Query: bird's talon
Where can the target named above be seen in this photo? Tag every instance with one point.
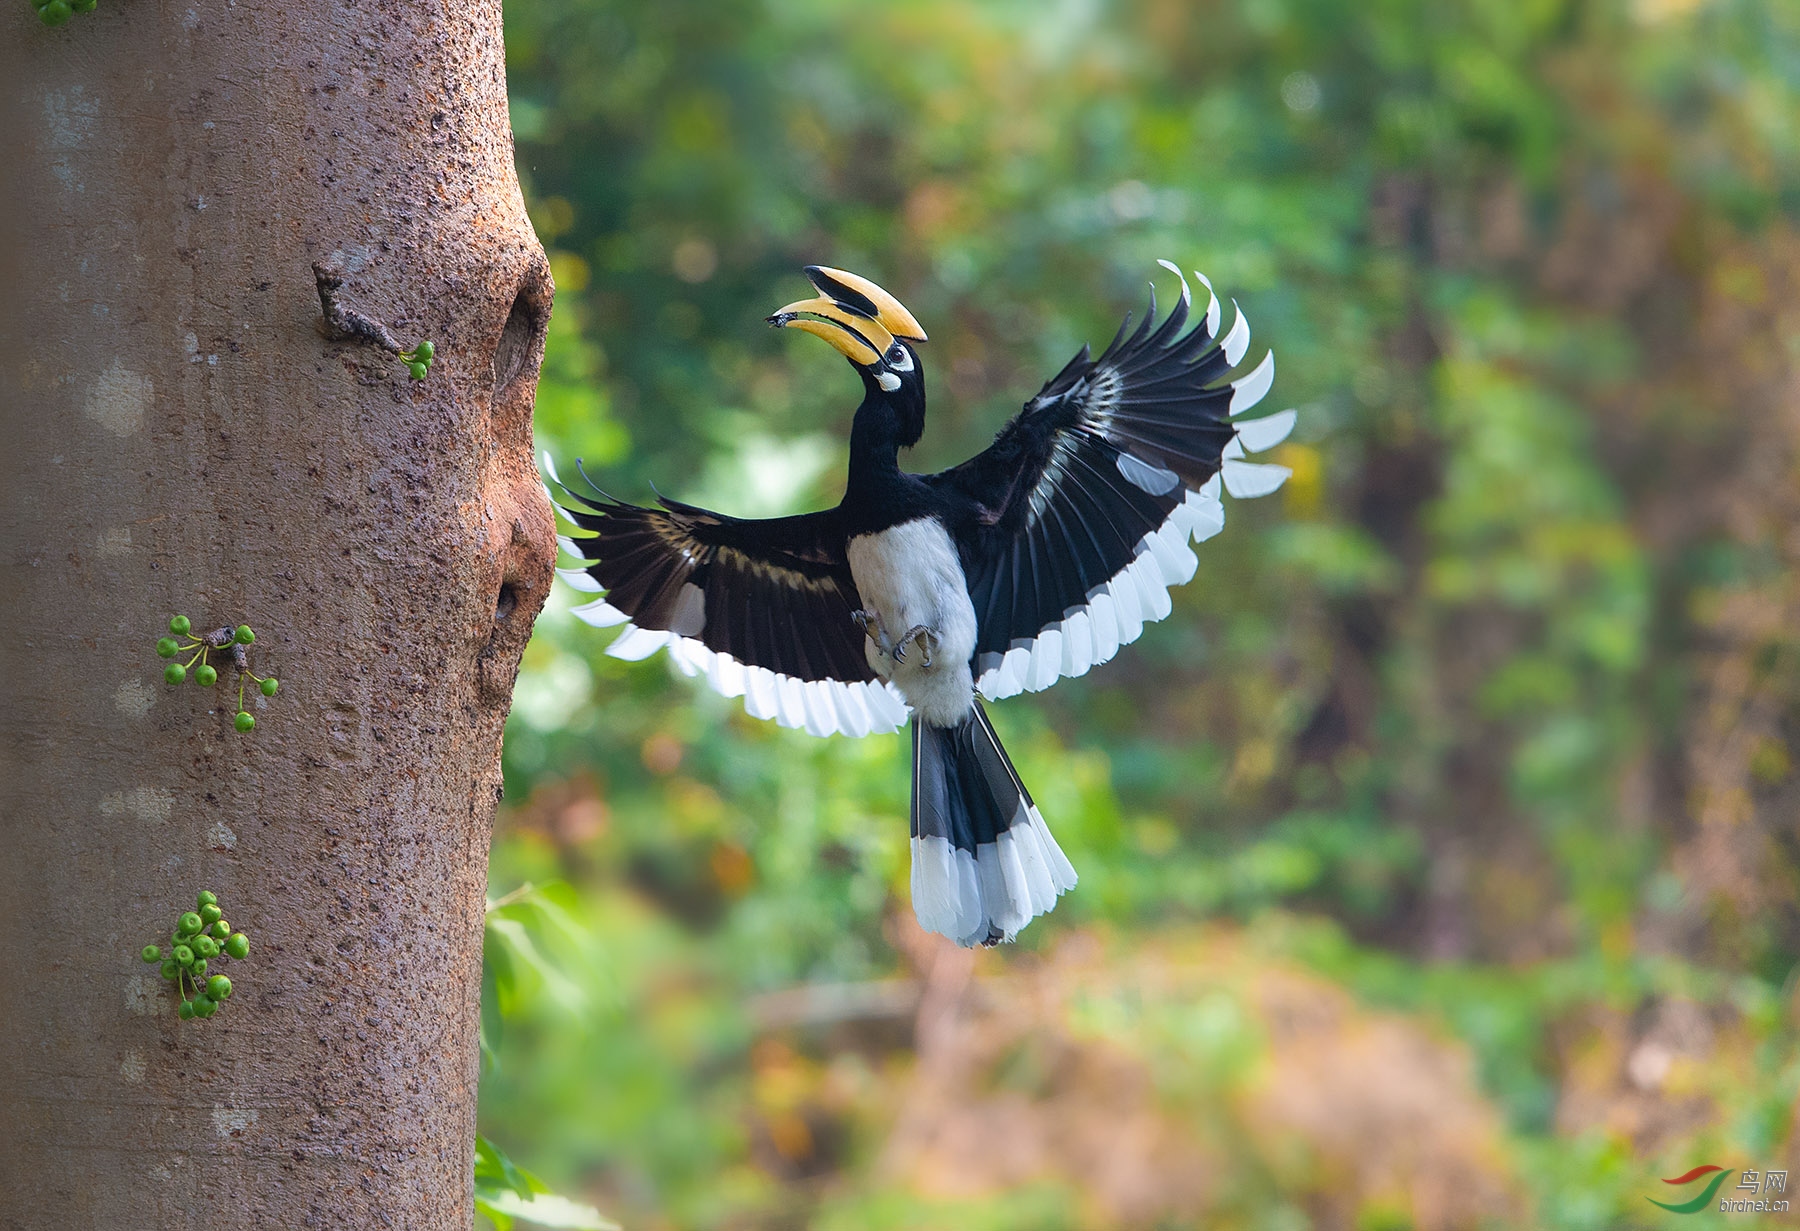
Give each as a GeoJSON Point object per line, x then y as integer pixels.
{"type": "Point", "coordinates": [922, 635]}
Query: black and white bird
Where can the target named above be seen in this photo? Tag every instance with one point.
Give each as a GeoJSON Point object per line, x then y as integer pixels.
{"type": "Point", "coordinates": [1032, 561]}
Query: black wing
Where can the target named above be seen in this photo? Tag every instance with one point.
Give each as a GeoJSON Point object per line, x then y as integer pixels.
{"type": "Point", "coordinates": [762, 608]}
{"type": "Point", "coordinates": [1075, 522]}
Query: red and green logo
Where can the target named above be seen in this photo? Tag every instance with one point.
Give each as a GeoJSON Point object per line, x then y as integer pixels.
{"type": "Point", "coordinates": [1699, 1203]}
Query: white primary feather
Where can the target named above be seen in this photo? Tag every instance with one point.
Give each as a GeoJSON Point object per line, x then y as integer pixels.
{"type": "Point", "coordinates": [634, 644]}
{"type": "Point", "coordinates": [1116, 611]}
{"type": "Point", "coordinates": [1212, 309]}
{"type": "Point", "coordinates": [1261, 435]}
{"type": "Point", "coordinates": [599, 613]}
{"type": "Point", "coordinates": [1153, 479]}
{"type": "Point", "coordinates": [1248, 480]}
{"type": "Point", "coordinates": [790, 701]}
{"type": "Point", "coordinates": [819, 707]}
{"type": "Point", "coordinates": [1077, 644]}
{"type": "Point", "coordinates": [1238, 340]}
{"type": "Point", "coordinates": [1247, 391]}
{"type": "Point", "coordinates": [1046, 659]}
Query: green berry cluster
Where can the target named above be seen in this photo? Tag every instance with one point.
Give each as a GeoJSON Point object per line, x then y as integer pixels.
{"type": "Point", "coordinates": [236, 641]}
{"type": "Point", "coordinates": [418, 359]}
{"type": "Point", "coordinates": [55, 12]}
{"type": "Point", "coordinates": [201, 936]}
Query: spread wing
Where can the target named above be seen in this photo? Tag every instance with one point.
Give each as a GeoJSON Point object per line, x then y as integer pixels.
{"type": "Point", "coordinates": [1075, 522]}
{"type": "Point", "coordinates": [761, 608]}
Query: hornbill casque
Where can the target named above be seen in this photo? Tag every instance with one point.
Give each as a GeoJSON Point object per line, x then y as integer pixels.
{"type": "Point", "coordinates": [1033, 561]}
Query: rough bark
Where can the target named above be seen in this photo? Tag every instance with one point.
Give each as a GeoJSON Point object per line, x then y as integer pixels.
{"type": "Point", "coordinates": [183, 437]}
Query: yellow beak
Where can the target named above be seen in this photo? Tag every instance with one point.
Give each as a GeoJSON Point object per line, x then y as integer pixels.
{"type": "Point", "coordinates": [858, 338]}
{"type": "Point", "coordinates": [860, 295]}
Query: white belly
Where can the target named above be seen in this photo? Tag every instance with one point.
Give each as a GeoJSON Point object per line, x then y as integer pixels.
{"type": "Point", "coordinates": [909, 576]}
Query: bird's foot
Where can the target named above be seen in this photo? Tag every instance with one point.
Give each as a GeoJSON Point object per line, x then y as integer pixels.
{"type": "Point", "coordinates": [922, 635]}
{"type": "Point", "coordinates": [872, 627]}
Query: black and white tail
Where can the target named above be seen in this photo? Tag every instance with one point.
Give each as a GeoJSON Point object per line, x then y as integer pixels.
{"type": "Point", "coordinates": [983, 862]}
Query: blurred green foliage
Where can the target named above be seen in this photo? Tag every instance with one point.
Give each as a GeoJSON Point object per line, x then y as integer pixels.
{"type": "Point", "coordinates": [1486, 720]}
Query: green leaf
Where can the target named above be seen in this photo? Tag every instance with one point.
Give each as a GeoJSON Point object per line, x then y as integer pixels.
{"type": "Point", "coordinates": [511, 948]}
{"type": "Point", "coordinates": [517, 941]}
{"type": "Point", "coordinates": [505, 1191]}
{"type": "Point", "coordinates": [494, 1169]}
{"type": "Point", "coordinates": [493, 1024]}
{"type": "Point", "coordinates": [543, 1210]}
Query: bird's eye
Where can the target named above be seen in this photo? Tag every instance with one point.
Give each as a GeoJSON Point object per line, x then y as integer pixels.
{"type": "Point", "coordinates": [898, 358]}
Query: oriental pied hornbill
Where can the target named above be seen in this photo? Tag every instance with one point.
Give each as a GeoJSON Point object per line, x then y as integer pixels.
{"type": "Point", "coordinates": [1031, 561]}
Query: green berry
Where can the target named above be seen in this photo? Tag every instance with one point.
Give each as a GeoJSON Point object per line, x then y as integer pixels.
{"type": "Point", "coordinates": [219, 931]}
{"type": "Point", "coordinates": [269, 686]}
{"type": "Point", "coordinates": [166, 647]}
{"type": "Point", "coordinates": [205, 897]}
{"type": "Point", "coordinates": [424, 351]}
{"type": "Point", "coordinates": [170, 968]}
{"type": "Point", "coordinates": [197, 967]}
{"type": "Point", "coordinates": [205, 1006]}
{"type": "Point", "coordinates": [210, 913]}
{"type": "Point", "coordinates": [186, 1010]}
{"type": "Point", "coordinates": [244, 635]}
{"type": "Point", "coordinates": [179, 625]}
{"type": "Point", "coordinates": [55, 13]}
{"type": "Point", "coordinates": [150, 953]}
{"type": "Point", "coordinates": [206, 946]}
{"type": "Point", "coordinates": [238, 946]}
{"type": "Point", "coordinates": [190, 922]}
{"type": "Point", "coordinates": [83, 6]}
{"type": "Point", "coordinates": [244, 720]}
{"type": "Point", "coordinates": [417, 369]}
{"type": "Point", "coordinates": [207, 675]}
{"type": "Point", "coordinates": [184, 954]}
{"type": "Point", "coordinates": [174, 673]}
{"type": "Point", "coordinates": [218, 987]}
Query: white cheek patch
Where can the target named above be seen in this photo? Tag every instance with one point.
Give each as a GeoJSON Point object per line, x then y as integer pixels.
{"type": "Point", "coordinates": [887, 380]}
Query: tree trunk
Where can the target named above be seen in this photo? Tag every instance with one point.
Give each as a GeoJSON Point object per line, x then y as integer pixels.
{"type": "Point", "coordinates": [183, 437]}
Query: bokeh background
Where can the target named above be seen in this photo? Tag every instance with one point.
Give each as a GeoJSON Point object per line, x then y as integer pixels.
{"type": "Point", "coordinates": [1439, 855]}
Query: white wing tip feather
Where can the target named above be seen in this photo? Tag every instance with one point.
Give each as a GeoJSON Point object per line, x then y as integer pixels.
{"type": "Point", "coordinates": [1238, 340]}
{"type": "Point", "coordinates": [1117, 611]}
{"type": "Point", "coordinates": [1187, 295]}
{"type": "Point", "coordinates": [818, 707]}
{"type": "Point", "coordinates": [1248, 480]}
{"type": "Point", "coordinates": [578, 579]}
{"type": "Point", "coordinates": [1247, 391]}
{"type": "Point", "coordinates": [599, 613]}
{"type": "Point", "coordinates": [1212, 308]}
{"type": "Point", "coordinates": [1261, 435]}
